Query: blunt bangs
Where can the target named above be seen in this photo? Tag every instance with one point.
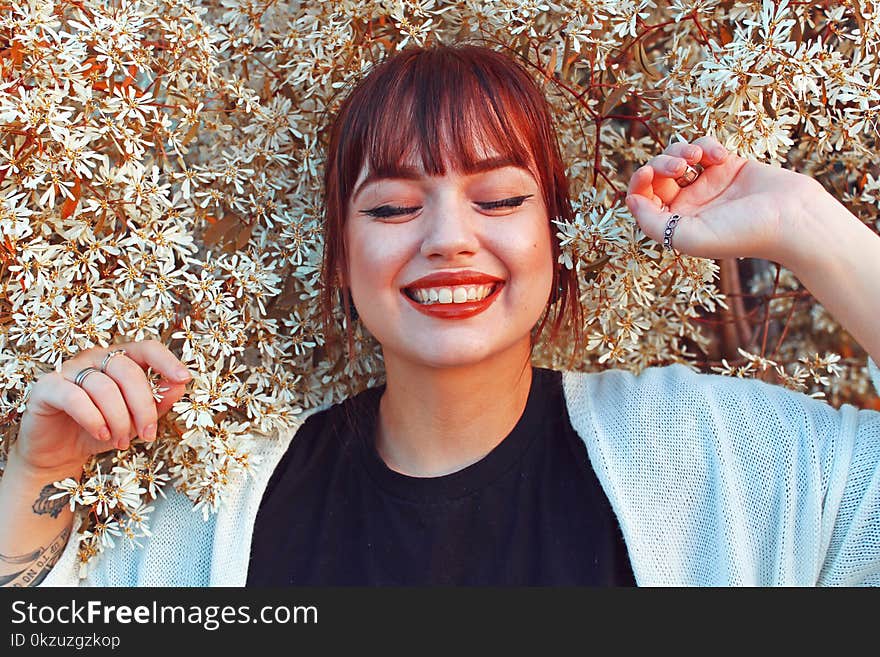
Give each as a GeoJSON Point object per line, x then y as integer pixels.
{"type": "Point", "coordinates": [443, 112]}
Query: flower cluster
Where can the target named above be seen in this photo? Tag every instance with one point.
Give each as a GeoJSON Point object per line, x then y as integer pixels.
{"type": "Point", "coordinates": [160, 165]}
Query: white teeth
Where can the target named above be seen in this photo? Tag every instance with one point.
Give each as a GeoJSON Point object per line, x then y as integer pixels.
{"type": "Point", "coordinates": [460, 294]}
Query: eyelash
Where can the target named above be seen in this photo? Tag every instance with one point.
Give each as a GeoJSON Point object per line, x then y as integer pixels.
{"type": "Point", "coordinates": [384, 211]}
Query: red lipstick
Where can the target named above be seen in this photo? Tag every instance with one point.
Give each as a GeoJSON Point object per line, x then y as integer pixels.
{"type": "Point", "coordinates": [454, 278]}
{"type": "Point", "coordinates": [455, 310]}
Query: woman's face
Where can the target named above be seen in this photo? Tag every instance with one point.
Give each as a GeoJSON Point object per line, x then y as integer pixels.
{"type": "Point", "coordinates": [449, 270]}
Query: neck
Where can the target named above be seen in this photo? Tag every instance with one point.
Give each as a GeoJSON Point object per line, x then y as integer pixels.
{"type": "Point", "coordinates": [434, 421]}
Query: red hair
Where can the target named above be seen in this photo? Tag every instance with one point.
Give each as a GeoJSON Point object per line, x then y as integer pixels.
{"type": "Point", "coordinates": [445, 105]}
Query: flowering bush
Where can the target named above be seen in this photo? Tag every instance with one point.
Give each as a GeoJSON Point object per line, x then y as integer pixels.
{"type": "Point", "coordinates": [160, 177]}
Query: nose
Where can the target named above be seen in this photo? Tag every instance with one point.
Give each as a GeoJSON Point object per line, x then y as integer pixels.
{"type": "Point", "coordinates": [450, 231]}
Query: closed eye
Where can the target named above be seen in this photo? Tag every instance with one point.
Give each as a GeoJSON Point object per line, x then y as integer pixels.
{"type": "Point", "coordinates": [513, 202]}
{"type": "Point", "coordinates": [385, 211]}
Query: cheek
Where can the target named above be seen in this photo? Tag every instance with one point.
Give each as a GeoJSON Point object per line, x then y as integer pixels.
{"type": "Point", "coordinates": [374, 257]}
{"type": "Point", "coordinates": [543, 267]}
{"type": "Point", "coordinates": [534, 256]}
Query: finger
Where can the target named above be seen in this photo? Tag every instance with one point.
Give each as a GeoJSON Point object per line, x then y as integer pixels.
{"type": "Point", "coordinates": [172, 392]}
{"type": "Point", "coordinates": [690, 152]}
{"type": "Point", "coordinates": [658, 189]}
{"type": "Point", "coordinates": [651, 219]}
{"type": "Point", "coordinates": [669, 166]}
{"type": "Point", "coordinates": [67, 397]}
{"type": "Point", "coordinates": [152, 353]}
{"type": "Point", "coordinates": [135, 387]}
{"type": "Point", "coordinates": [713, 151]}
{"type": "Point", "coordinates": [105, 394]}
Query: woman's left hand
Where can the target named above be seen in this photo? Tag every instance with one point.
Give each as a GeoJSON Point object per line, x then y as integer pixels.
{"type": "Point", "coordinates": [741, 208]}
{"type": "Point", "coordinates": [735, 208]}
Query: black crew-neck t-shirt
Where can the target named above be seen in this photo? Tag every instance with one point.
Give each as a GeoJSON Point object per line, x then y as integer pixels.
{"type": "Point", "coordinates": [530, 513]}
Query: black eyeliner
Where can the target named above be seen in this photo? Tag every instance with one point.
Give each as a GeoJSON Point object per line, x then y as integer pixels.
{"type": "Point", "coordinates": [512, 202]}
{"type": "Point", "coordinates": [385, 211]}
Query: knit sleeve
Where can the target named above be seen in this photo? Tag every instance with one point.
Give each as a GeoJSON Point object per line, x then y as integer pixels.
{"type": "Point", "coordinates": [185, 549]}
{"type": "Point", "coordinates": [852, 504]}
{"type": "Point", "coordinates": [720, 481]}
{"type": "Point", "coordinates": [180, 558]}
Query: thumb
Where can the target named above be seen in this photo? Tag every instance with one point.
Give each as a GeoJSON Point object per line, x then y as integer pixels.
{"type": "Point", "coordinates": [632, 202]}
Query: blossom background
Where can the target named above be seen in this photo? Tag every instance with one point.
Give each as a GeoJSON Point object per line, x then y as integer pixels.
{"type": "Point", "coordinates": [160, 168]}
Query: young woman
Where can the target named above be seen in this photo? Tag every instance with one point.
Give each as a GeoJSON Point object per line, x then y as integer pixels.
{"type": "Point", "coordinates": [470, 466]}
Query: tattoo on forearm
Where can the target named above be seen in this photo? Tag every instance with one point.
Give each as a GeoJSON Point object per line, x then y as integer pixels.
{"type": "Point", "coordinates": [44, 505]}
{"type": "Point", "coordinates": [36, 564]}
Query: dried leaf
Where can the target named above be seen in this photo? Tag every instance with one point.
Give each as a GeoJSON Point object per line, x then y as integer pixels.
{"type": "Point", "coordinates": [69, 205]}
{"type": "Point", "coordinates": [216, 232]}
{"type": "Point", "coordinates": [767, 102]}
{"type": "Point", "coordinates": [613, 99]}
{"type": "Point", "coordinates": [797, 33]}
{"type": "Point", "coordinates": [288, 298]}
{"type": "Point", "coordinates": [16, 53]}
{"type": "Point", "coordinates": [243, 235]}
{"type": "Point", "coordinates": [550, 68]}
{"type": "Point", "coordinates": [568, 58]}
{"type": "Point", "coordinates": [645, 62]}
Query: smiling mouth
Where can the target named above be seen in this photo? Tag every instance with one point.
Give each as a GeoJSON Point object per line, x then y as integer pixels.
{"type": "Point", "coordinates": [452, 295]}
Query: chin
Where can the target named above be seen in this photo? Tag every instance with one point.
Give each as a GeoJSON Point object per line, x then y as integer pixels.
{"type": "Point", "coordinates": [442, 354]}
{"type": "Point", "coordinates": [452, 360]}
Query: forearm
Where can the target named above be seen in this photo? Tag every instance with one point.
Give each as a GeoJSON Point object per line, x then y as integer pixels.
{"type": "Point", "coordinates": [33, 530]}
{"type": "Point", "coordinates": [837, 258]}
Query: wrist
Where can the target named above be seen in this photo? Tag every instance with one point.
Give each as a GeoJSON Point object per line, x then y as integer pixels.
{"type": "Point", "coordinates": [813, 229]}
{"type": "Point", "coordinates": [25, 471]}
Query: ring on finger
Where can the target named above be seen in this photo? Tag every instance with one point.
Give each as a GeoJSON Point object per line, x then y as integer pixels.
{"type": "Point", "coordinates": [691, 173]}
{"type": "Point", "coordinates": [115, 352]}
{"type": "Point", "coordinates": [669, 230]}
{"type": "Point", "coordinates": [82, 374]}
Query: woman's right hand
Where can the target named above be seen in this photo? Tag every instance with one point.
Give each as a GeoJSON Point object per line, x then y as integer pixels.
{"type": "Point", "coordinates": [64, 424]}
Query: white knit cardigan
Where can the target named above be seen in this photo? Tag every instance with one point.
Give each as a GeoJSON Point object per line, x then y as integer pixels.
{"type": "Point", "coordinates": [714, 480]}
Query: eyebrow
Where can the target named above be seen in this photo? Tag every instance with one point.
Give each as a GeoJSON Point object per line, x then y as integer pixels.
{"type": "Point", "coordinates": [408, 173]}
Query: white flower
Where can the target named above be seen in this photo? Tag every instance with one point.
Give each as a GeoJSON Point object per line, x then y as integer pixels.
{"type": "Point", "coordinates": [72, 489]}
{"type": "Point", "coordinates": [129, 103]}
{"type": "Point", "coordinates": [99, 492]}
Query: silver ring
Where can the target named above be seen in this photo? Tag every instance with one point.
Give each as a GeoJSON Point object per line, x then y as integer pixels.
{"type": "Point", "coordinates": [82, 374]}
{"type": "Point", "coordinates": [670, 228]}
{"type": "Point", "coordinates": [107, 358]}
{"type": "Point", "coordinates": [691, 173]}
